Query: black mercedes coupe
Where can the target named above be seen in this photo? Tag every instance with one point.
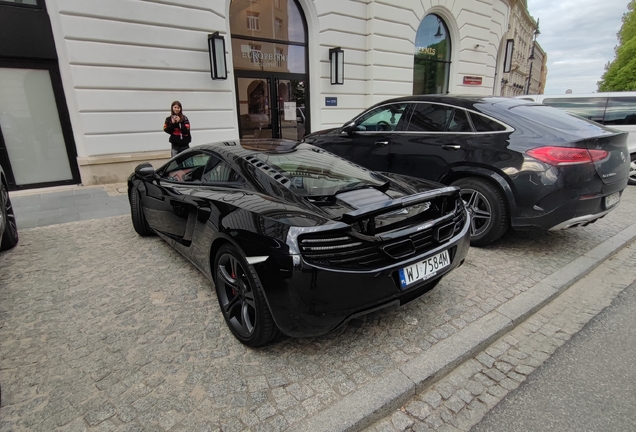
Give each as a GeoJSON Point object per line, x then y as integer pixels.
{"type": "Point", "coordinates": [298, 240]}
{"type": "Point", "coordinates": [519, 164]}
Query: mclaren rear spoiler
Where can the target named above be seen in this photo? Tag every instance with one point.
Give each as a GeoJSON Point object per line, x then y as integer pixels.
{"type": "Point", "coordinates": [396, 204]}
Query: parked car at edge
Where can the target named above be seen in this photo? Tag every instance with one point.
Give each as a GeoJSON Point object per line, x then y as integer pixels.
{"type": "Point", "coordinates": [613, 109]}
{"type": "Point", "coordinates": [296, 239]}
{"type": "Point", "coordinates": [519, 164]}
{"type": "Point", "coordinates": [8, 226]}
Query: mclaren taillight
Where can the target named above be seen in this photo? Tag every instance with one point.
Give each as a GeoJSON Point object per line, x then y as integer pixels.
{"type": "Point", "coordinates": [566, 155]}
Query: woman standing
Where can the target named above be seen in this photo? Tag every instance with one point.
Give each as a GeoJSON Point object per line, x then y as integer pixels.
{"type": "Point", "coordinates": [178, 127]}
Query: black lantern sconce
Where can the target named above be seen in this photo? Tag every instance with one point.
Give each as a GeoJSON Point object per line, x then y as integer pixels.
{"type": "Point", "coordinates": [336, 62]}
{"type": "Point", "coordinates": [216, 48]}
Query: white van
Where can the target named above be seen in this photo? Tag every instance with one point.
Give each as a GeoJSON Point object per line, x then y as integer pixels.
{"type": "Point", "coordinates": [615, 109]}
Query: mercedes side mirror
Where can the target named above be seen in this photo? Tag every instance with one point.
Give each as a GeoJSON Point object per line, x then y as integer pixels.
{"type": "Point", "coordinates": [349, 128]}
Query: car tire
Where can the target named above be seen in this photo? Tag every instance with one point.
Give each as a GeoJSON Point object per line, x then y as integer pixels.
{"type": "Point", "coordinates": [488, 209]}
{"type": "Point", "coordinates": [137, 213]}
{"type": "Point", "coordinates": [632, 169]}
{"type": "Point", "coordinates": [10, 235]}
{"type": "Point", "coordinates": [241, 298]}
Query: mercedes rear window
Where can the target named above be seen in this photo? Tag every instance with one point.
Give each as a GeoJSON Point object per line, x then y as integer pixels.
{"type": "Point", "coordinates": [557, 119]}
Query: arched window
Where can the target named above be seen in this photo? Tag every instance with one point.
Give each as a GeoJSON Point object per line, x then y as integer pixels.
{"type": "Point", "coordinates": [268, 35]}
{"type": "Point", "coordinates": [269, 49]}
{"type": "Point", "coordinates": [431, 63]}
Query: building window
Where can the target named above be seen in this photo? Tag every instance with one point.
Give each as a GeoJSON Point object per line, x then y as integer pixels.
{"type": "Point", "coordinates": [253, 22]}
{"type": "Point", "coordinates": [431, 68]}
{"type": "Point", "coordinates": [257, 53]}
{"type": "Point", "coordinates": [278, 28]}
{"type": "Point", "coordinates": [279, 57]}
{"type": "Point", "coordinates": [277, 4]}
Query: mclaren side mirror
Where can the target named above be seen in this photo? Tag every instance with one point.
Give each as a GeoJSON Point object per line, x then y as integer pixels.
{"type": "Point", "coordinates": [145, 170]}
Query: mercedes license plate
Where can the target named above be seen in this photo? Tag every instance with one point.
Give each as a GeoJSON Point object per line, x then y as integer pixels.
{"type": "Point", "coordinates": [612, 200]}
{"type": "Point", "coordinates": [424, 269]}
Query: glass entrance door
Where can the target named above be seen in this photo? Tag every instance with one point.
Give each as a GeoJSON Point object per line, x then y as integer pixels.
{"type": "Point", "coordinates": [291, 108]}
{"type": "Point", "coordinates": [255, 109]}
{"type": "Point", "coordinates": [271, 107]}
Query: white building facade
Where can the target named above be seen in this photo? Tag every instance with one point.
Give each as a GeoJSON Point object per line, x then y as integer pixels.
{"type": "Point", "coordinates": [119, 64]}
{"type": "Point", "coordinates": [522, 31]}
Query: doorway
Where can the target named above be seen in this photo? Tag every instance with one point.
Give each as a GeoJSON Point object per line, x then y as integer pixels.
{"type": "Point", "coordinates": [269, 50]}
{"type": "Point", "coordinates": [271, 107]}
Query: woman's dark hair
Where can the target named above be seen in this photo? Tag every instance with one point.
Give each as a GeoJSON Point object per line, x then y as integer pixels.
{"type": "Point", "coordinates": [177, 103]}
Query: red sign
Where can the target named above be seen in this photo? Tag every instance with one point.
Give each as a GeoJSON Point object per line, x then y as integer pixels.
{"type": "Point", "coordinates": [472, 80]}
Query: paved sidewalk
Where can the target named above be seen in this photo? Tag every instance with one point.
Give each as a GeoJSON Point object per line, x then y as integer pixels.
{"type": "Point", "coordinates": [394, 389]}
{"type": "Point", "coordinates": [42, 207]}
{"type": "Point", "coordinates": [101, 329]}
{"type": "Point", "coordinates": [462, 398]}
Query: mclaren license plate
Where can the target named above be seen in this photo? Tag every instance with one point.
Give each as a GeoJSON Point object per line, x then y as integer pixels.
{"type": "Point", "coordinates": [424, 269]}
{"type": "Point", "coordinates": [612, 200]}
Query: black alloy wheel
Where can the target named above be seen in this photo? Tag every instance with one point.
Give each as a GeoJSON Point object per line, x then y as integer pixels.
{"type": "Point", "coordinates": [10, 236]}
{"type": "Point", "coordinates": [241, 299]}
{"type": "Point", "coordinates": [137, 213]}
{"type": "Point", "coordinates": [487, 208]}
{"type": "Point", "coordinates": [632, 169]}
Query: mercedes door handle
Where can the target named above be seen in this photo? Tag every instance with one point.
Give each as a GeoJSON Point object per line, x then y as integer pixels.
{"type": "Point", "coordinates": [451, 147]}
{"type": "Point", "coordinates": [381, 143]}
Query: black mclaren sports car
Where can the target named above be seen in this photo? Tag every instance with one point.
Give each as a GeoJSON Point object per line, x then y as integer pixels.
{"type": "Point", "coordinates": [297, 240]}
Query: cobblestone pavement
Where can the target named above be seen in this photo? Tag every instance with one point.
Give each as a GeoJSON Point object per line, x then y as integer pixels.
{"type": "Point", "coordinates": [462, 398]}
{"type": "Point", "coordinates": [103, 330]}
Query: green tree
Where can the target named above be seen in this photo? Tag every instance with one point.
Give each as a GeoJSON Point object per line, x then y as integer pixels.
{"type": "Point", "coordinates": [620, 74]}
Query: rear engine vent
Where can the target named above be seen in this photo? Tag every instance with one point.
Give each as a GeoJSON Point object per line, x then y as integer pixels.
{"type": "Point", "coordinates": [344, 250]}
{"type": "Point", "coordinates": [337, 250]}
{"type": "Point", "coordinates": [271, 172]}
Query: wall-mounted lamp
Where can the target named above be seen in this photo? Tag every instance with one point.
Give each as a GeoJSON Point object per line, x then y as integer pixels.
{"type": "Point", "coordinates": [216, 48]}
{"type": "Point", "coordinates": [510, 48]}
{"type": "Point", "coordinates": [336, 62]}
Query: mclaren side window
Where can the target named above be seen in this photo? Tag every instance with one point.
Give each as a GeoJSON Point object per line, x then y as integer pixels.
{"type": "Point", "coordinates": [218, 171]}
{"type": "Point", "coordinates": [187, 168]}
{"type": "Point", "coordinates": [385, 118]}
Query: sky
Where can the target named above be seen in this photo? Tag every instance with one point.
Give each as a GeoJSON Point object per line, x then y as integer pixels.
{"type": "Point", "coordinates": [579, 37]}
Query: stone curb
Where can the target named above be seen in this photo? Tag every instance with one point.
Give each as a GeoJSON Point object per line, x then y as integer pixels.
{"type": "Point", "coordinates": [43, 191]}
{"type": "Point", "coordinates": [379, 398]}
